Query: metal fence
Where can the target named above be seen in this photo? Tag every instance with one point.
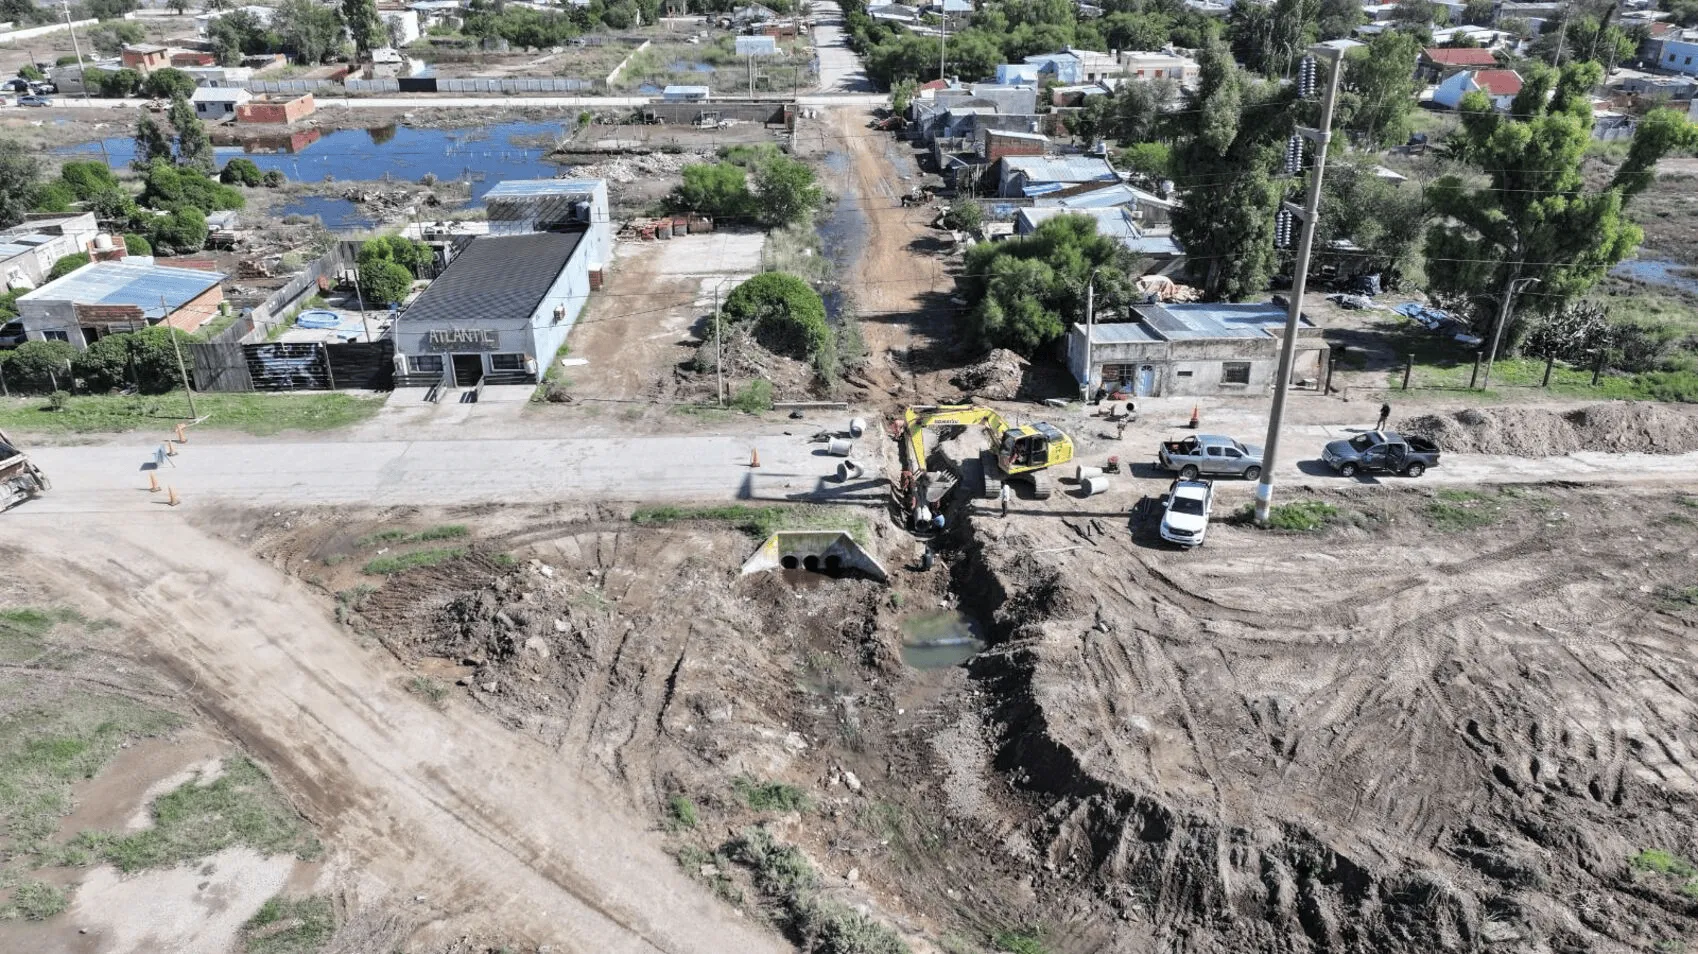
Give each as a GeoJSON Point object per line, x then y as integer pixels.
{"type": "Point", "coordinates": [541, 84]}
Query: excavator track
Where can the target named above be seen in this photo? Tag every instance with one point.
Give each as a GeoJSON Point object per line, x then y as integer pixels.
{"type": "Point", "coordinates": [991, 488]}
{"type": "Point", "coordinates": [1042, 486]}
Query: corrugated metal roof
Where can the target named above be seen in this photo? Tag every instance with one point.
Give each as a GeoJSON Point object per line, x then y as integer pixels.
{"type": "Point", "coordinates": [498, 278]}
{"type": "Point", "coordinates": [757, 46]}
{"type": "Point", "coordinates": [1191, 321]}
{"type": "Point", "coordinates": [1122, 332]}
{"type": "Point", "coordinates": [523, 188]}
{"type": "Point", "coordinates": [1113, 222]}
{"type": "Point", "coordinates": [1061, 168]}
{"type": "Point", "coordinates": [19, 244]}
{"type": "Point", "coordinates": [684, 91]}
{"type": "Point", "coordinates": [125, 283]}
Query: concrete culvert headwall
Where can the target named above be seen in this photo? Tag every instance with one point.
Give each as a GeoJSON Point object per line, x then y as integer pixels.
{"type": "Point", "coordinates": [827, 551]}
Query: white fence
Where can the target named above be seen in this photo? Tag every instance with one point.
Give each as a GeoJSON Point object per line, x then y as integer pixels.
{"type": "Point", "coordinates": [33, 32]}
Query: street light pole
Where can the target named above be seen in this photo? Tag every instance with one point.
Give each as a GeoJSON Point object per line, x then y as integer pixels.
{"type": "Point", "coordinates": [719, 342]}
{"type": "Point", "coordinates": [182, 369]}
{"type": "Point", "coordinates": [1310, 213]}
{"type": "Point", "coordinates": [1511, 288]}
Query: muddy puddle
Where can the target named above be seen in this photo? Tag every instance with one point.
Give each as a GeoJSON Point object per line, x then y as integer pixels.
{"type": "Point", "coordinates": [941, 639]}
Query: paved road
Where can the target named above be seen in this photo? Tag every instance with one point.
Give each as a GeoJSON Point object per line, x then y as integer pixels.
{"type": "Point", "coordinates": [112, 477]}
{"type": "Point", "coordinates": [841, 70]}
{"type": "Point", "coordinates": [434, 101]}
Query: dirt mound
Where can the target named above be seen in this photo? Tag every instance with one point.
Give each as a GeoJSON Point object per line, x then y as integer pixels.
{"type": "Point", "coordinates": [1617, 427]}
{"type": "Point", "coordinates": [996, 377]}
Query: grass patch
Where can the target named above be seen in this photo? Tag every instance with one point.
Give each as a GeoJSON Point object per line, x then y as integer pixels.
{"type": "Point", "coordinates": [435, 691]}
{"type": "Point", "coordinates": [402, 562]}
{"type": "Point", "coordinates": [754, 397]}
{"type": "Point", "coordinates": [1655, 861]}
{"type": "Point", "coordinates": [23, 631]}
{"type": "Point", "coordinates": [758, 522]}
{"type": "Point", "coordinates": [1302, 516]}
{"type": "Point", "coordinates": [788, 884]}
{"type": "Point", "coordinates": [240, 807]}
{"type": "Point", "coordinates": [34, 901]}
{"type": "Point", "coordinates": [680, 813]}
{"type": "Point", "coordinates": [219, 324]}
{"type": "Point", "coordinates": [769, 796]}
{"type": "Point", "coordinates": [251, 413]}
{"type": "Point", "coordinates": [1020, 941]}
{"type": "Point", "coordinates": [447, 531]}
{"type": "Point", "coordinates": [1449, 516]}
{"type": "Point", "coordinates": [289, 926]}
{"type": "Point", "coordinates": [43, 750]}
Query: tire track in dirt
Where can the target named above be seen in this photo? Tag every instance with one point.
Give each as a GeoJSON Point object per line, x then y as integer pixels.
{"type": "Point", "coordinates": [499, 833]}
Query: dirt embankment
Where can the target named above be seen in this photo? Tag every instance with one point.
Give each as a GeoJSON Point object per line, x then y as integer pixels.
{"type": "Point", "coordinates": [1616, 427]}
{"type": "Point", "coordinates": [1442, 747]}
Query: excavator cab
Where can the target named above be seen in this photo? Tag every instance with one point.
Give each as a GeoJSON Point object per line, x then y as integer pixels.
{"type": "Point", "coordinates": [1033, 447]}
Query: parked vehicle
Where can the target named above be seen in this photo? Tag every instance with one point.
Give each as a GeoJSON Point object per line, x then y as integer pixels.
{"type": "Point", "coordinates": [1211, 454]}
{"type": "Point", "coordinates": [33, 100]}
{"type": "Point", "coordinates": [43, 86]}
{"type": "Point", "coordinates": [19, 478]}
{"type": "Point", "coordinates": [1380, 453]}
{"type": "Point", "coordinates": [1185, 512]}
{"type": "Point", "coordinates": [16, 84]}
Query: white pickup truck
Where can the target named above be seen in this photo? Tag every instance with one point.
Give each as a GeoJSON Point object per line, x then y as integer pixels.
{"type": "Point", "coordinates": [1185, 512]}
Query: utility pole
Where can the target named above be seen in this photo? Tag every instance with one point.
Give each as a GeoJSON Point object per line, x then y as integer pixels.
{"type": "Point", "coordinates": [1090, 326]}
{"type": "Point", "coordinates": [182, 369]}
{"type": "Point", "coordinates": [942, 35]}
{"type": "Point", "coordinates": [82, 74]}
{"type": "Point", "coordinates": [719, 343]}
{"type": "Point", "coordinates": [1310, 214]}
{"type": "Point", "coordinates": [1511, 288]}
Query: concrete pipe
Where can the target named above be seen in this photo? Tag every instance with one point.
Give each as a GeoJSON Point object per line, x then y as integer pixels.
{"type": "Point", "coordinates": [840, 447]}
{"type": "Point", "coordinates": [857, 427]}
{"type": "Point", "coordinates": [850, 470]}
{"type": "Point", "coordinates": [1084, 473]}
{"type": "Point", "coordinates": [1095, 485]}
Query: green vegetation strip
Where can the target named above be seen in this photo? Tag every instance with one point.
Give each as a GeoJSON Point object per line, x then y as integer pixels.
{"type": "Point", "coordinates": [44, 749]}
{"type": "Point", "coordinates": [402, 562]}
{"type": "Point", "coordinates": [289, 926]}
{"type": "Point", "coordinates": [758, 522]}
{"type": "Point", "coordinates": [447, 531]}
{"type": "Point", "coordinates": [33, 901]}
{"type": "Point", "coordinates": [23, 631]}
{"type": "Point", "coordinates": [770, 796]}
{"type": "Point", "coordinates": [1658, 862]}
{"type": "Point", "coordinates": [240, 807]}
{"type": "Point", "coordinates": [259, 414]}
{"type": "Point", "coordinates": [789, 884]}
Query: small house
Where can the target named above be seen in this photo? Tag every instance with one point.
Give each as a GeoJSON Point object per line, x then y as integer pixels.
{"type": "Point", "coordinates": [1500, 85]}
{"type": "Point", "coordinates": [1436, 62]}
{"type": "Point", "coordinates": [1193, 349]}
{"type": "Point", "coordinates": [1026, 176]}
{"type": "Point", "coordinates": [217, 103]}
{"type": "Point", "coordinates": [684, 94]}
{"type": "Point", "coordinates": [144, 58]}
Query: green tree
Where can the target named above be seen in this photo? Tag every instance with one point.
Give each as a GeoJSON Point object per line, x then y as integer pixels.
{"type": "Point", "coordinates": [1236, 133]}
{"type": "Point", "coordinates": [364, 25]}
{"type": "Point", "coordinates": [165, 186]}
{"type": "Point", "coordinates": [19, 175]}
{"type": "Point", "coordinates": [54, 196]}
{"type": "Point", "coordinates": [1385, 220]}
{"type": "Point", "coordinates": [1534, 216]}
{"type": "Point", "coordinates": [194, 146]}
{"type": "Point", "coordinates": [1151, 160]}
{"type": "Point", "coordinates": [137, 244]}
{"type": "Point", "coordinates": [67, 264]}
{"type": "Point", "coordinates": [1270, 39]}
{"type": "Point", "coordinates": [902, 94]}
{"type": "Point", "coordinates": [786, 316]}
{"type": "Point", "coordinates": [180, 232]}
{"type": "Point", "coordinates": [719, 189]}
{"type": "Point", "coordinates": [113, 84]}
{"type": "Point", "coordinates": [384, 281]}
{"type": "Point", "coordinates": [967, 216]}
{"type": "Point", "coordinates": [168, 83]}
{"type": "Point", "coordinates": [1379, 81]}
{"type": "Point", "coordinates": [1479, 12]}
{"type": "Point", "coordinates": [414, 256]}
{"type": "Point", "coordinates": [240, 171]}
{"type": "Point", "coordinates": [1023, 292]}
{"type": "Point", "coordinates": [1338, 19]}
{"type": "Point", "coordinates": [144, 358]}
{"type": "Point", "coordinates": [306, 29]}
{"type": "Point", "coordinates": [152, 144]}
{"type": "Point", "coordinates": [785, 192]}
{"type": "Point", "coordinates": [86, 177]}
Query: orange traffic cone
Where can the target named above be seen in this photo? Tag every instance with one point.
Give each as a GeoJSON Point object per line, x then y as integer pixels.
{"type": "Point", "coordinates": [170, 449]}
{"type": "Point", "coordinates": [171, 496]}
{"type": "Point", "coordinates": [152, 482]}
{"type": "Point", "coordinates": [180, 438]}
{"type": "Point", "coordinates": [754, 457]}
{"type": "Point", "coordinates": [1196, 419]}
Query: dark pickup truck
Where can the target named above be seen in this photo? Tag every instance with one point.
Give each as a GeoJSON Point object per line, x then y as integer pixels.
{"type": "Point", "coordinates": [1380, 453]}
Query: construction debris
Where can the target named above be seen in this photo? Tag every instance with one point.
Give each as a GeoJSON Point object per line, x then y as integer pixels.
{"type": "Point", "coordinates": [996, 376]}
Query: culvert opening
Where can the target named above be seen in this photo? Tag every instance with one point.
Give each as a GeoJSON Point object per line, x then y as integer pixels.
{"type": "Point", "coordinates": [790, 562]}
{"type": "Point", "coordinates": [811, 564]}
{"type": "Point", "coordinates": [833, 563]}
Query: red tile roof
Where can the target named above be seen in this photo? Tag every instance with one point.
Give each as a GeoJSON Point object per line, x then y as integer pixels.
{"type": "Point", "coordinates": [1445, 56]}
{"type": "Point", "coordinates": [1498, 82]}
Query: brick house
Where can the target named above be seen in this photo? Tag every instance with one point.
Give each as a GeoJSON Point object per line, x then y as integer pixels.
{"type": "Point", "coordinates": [268, 109]}
{"type": "Point", "coordinates": [144, 58]}
{"type": "Point", "coordinates": [109, 297]}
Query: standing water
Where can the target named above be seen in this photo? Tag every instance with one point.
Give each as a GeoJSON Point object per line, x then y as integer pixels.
{"type": "Point", "coordinates": [941, 639]}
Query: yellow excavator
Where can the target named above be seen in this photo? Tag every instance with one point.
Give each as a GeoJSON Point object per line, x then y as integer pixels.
{"type": "Point", "coordinates": [1021, 453]}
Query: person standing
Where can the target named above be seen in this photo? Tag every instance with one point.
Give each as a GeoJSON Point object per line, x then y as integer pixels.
{"type": "Point", "coordinates": [1385, 415]}
{"type": "Point", "coordinates": [1004, 495]}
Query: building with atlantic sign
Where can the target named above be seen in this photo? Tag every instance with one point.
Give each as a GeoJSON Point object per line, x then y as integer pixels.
{"type": "Point", "coordinates": [502, 308]}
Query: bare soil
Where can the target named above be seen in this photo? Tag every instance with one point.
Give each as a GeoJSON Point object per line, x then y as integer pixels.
{"type": "Point", "coordinates": [1619, 427]}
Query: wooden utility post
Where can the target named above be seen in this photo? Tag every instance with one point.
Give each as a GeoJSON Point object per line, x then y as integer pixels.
{"type": "Point", "coordinates": [1408, 369]}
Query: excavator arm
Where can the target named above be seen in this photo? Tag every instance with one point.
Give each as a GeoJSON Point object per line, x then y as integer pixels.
{"type": "Point", "coordinates": [917, 418]}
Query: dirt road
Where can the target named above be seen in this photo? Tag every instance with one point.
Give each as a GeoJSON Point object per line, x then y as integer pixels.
{"type": "Point", "coordinates": [899, 283]}
{"type": "Point", "coordinates": [489, 827]}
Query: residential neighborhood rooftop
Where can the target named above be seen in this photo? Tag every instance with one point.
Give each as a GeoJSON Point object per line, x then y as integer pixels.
{"type": "Point", "coordinates": [1499, 82]}
{"type": "Point", "coordinates": [498, 278]}
{"type": "Point", "coordinates": [129, 283]}
{"type": "Point", "coordinates": [1192, 321]}
{"type": "Point", "coordinates": [1447, 56]}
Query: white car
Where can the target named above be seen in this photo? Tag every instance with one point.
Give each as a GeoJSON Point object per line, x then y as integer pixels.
{"type": "Point", "coordinates": [1185, 512]}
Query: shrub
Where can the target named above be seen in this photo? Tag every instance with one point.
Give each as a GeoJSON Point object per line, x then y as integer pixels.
{"type": "Point", "coordinates": [719, 189]}
{"type": "Point", "coordinates": [145, 358]}
{"type": "Point", "coordinates": [241, 171]}
{"type": "Point", "coordinates": [274, 178]}
{"type": "Point", "coordinates": [53, 197]}
{"type": "Point", "coordinates": [770, 796]}
{"type": "Point", "coordinates": [168, 83]}
{"type": "Point", "coordinates": [788, 317]}
{"type": "Point", "coordinates": [754, 397]}
{"type": "Point", "coordinates": [136, 244]}
{"type": "Point", "coordinates": [58, 400]}
{"type": "Point", "coordinates": [965, 216]}
{"type": "Point", "coordinates": [40, 367]}
{"type": "Point", "coordinates": [384, 281]}
{"type": "Point", "coordinates": [87, 177]}
{"type": "Point", "coordinates": [181, 232]}
{"type": "Point", "coordinates": [67, 265]}
{"type": "Point", "coordinates": [403, 251]}
{"type": "Point", "coordinates": [680, 813]}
